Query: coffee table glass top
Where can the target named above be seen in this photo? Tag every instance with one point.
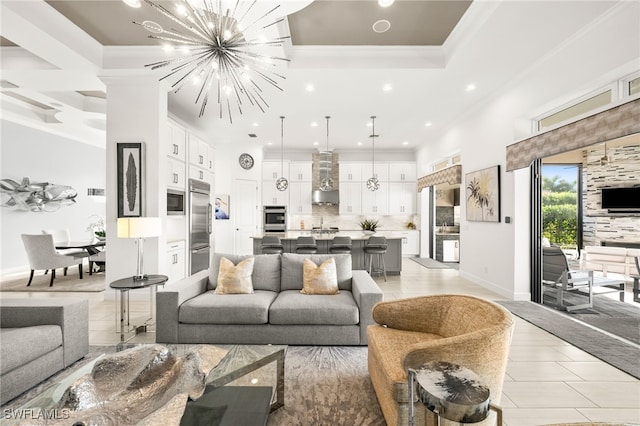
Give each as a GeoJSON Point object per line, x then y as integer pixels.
{"type": "Point", "coordinates": [243, 365]}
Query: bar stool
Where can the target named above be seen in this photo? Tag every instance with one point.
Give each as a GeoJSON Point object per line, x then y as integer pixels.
{"type": "Point", "coordinates": [271, 244]}
{"type": "Point", "coordinates": [306, 245]}
{"type": "Point", "coordinates": [376, 247]}
{"type": "Point", "coordinates": [340, 245]}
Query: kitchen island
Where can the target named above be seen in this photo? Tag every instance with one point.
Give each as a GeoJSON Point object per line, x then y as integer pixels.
{"type": "Point", "coordinates": [392, 259]}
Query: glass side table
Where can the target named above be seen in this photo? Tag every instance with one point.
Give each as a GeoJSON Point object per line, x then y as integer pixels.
{"type": "Point", "coordinates": [450, 391]}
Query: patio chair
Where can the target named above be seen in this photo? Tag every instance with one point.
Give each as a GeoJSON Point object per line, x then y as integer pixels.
{"type": "Point", "coordinates": [556, 274]}
{"type": "Point", "coordinates": [42, 255]}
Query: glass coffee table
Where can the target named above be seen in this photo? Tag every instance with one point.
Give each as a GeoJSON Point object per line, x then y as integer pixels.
{"type": "Point", "coordinates": [243, 367]}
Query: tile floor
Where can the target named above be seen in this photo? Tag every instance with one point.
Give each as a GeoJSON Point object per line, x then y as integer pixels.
{"type": "Point", "coordinates": [548, 380]}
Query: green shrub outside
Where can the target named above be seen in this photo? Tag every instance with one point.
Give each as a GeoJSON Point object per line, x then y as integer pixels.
{"type": "Point", "coordinates": [559, 223]}
{"type": "Point", "coordinates": [559, 198]}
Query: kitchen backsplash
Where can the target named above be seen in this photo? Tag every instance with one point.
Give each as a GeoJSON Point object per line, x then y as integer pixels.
{"type": "Point", "coordinates": [348, 222]}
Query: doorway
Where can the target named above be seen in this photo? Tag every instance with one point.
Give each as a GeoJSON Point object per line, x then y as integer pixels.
{"type": "Point", "coordinates": [245, 214]}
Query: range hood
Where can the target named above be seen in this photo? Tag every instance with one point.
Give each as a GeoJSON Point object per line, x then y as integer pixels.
{"type": "Point", "coordinates": [325, 198]}
{"type": "Point", "coordinates": [325, 177]}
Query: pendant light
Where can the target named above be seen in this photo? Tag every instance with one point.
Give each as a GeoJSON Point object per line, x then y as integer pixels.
{"type": "Point", "coordinates": [282, 183]}
{"type": "Point", "coordinates": [326, 184]}
{"type": "Point", "coordinates": [372, 183]}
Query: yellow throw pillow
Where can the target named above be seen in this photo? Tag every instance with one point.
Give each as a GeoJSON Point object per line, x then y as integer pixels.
{"type": "Point", "coordinates": [321, 279]}
{"type": "Point", "coordinates": [235, 279]}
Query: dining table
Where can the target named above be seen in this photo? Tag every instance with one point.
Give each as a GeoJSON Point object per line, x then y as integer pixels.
{"type": "Point", "coordinates": [90, 246]}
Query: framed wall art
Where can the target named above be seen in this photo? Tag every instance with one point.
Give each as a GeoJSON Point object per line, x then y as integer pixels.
{"type": "Point", "coordinates": [130, 186]}
{"type": "Point", "coordinates": [482, 195]}
{"type": "Point", "coordinates": [222, 205]}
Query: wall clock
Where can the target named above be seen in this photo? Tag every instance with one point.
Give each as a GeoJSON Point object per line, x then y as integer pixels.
{"type": "Point", "coordinates": [246, 161]}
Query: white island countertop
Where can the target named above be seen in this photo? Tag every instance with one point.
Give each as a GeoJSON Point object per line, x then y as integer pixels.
{"type": "Point", "coordinates": [355, 235]}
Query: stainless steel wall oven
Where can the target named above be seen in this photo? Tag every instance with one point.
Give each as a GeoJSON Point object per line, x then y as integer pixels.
{"type": "Point", "coordinates": [274, 219]}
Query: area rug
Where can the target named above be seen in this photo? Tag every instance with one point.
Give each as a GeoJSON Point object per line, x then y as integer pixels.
{"type": "Point", "coordinates": [611, 350]}
{"type": "Point", "coordinates": [613, 316]}
{"type": "Point", "coordinates": [324, 385]}
{"type": "Point", "coordinates": [40, 283]}
{"type": "Point", "coordinates": [327, 385]}
{"type": "Point", "coordinates": [433, 264]}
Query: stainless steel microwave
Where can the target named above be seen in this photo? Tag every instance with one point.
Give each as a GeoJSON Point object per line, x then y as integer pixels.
{"type": "Point", "coordinates": [175, 202]}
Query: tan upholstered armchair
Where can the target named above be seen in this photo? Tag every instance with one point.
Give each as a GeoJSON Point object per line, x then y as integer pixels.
{"type": "Point", "coordinates": [464, 330]}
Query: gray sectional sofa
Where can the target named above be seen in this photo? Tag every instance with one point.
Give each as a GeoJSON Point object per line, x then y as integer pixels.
{"type": "Point", "coordinates": [188, 311]}
{"type": "Point", "coordinates": [39, 338]}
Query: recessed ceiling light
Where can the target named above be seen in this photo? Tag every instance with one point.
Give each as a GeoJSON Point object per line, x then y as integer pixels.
{"type": "Point", "coordinates": [133, 3]}
{"type": "Point", "coordinates": [369, 124]}
{"type": "Point", "coordinates": [167, 47]}
{"type": "Point", "coordinates": [470, 87]}
{"type": "Point", "coordinates": [310, 88]}
{"type": "Point", "coordinates": [405, 143]}
{"type": "Point", "coordinates": [387, 87]}
{"type": "Point", "coordinates": [385, 3]}
{"type": "Point", "coordinates": [314, 124]}
{"type": "Point", "coordinates": [269, 143]}
{"type": "Point", "coordinates": [315, 143]}
{"type": "Point", "coordinates": [381, 26]}
{"type": "Point", "coordinates": [254, 124]}
{"type": "Point", "coordinates": [427, 124]}
{"type": "Point", "coordinates": [359, 143]}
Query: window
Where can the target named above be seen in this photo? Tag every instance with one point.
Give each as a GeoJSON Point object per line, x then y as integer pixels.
{"type": "Point", "coordinates": [591, 104]}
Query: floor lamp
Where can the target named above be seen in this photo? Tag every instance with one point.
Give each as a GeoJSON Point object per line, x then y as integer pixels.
{"type": "Point", "coordinates": [139, 228]}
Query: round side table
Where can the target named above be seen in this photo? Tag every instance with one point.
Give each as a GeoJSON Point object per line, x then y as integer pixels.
{"type": "Point", "coordinates": [126, 284]}
{"type": "Point", "coordinates": [450, 391]}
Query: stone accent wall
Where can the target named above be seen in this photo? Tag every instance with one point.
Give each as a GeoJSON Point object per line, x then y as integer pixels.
{"type": "Point", "coordinates": [623, 169]}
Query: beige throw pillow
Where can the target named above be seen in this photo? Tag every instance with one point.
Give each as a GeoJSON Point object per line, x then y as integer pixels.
{"type": "Point", "coordinates": [235, 279]}
{"type": "Point", "coordinates": [321, 279]}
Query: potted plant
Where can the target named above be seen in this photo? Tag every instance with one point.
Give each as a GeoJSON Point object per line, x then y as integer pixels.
{"type": "Point", "coordinates": [369, 226]}
{"type": "Point", "coordinates": [97, 227]}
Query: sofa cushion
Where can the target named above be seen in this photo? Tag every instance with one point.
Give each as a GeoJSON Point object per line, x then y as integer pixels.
{"type": "Point", "coordinates": [292, 267]}
{"type": "Point", "coordinates": [235, 279]}
{"type": "Point", "coordinates": [320, 279]}
{"type": "Point", "coordinates": [211, 308]}
{"type": "Point", "coordinates": [24, 344]}
{"type": "Point", "coordinates": [293, 308]}
{"type": "Point", "coordinates": [266, 270]}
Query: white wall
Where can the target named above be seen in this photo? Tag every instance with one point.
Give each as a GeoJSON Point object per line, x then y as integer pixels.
{"type": "Point", "coordinates": [496, 255]}
{"type": "Point", "coordinates": [44, 157]}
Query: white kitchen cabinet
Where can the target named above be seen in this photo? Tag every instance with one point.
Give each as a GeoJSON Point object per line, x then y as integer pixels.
{"type": "Point", "coordinates": [177, 176]}
{"type": "Point", "coordinates": [375, 202]}
{"type": "Point", "coordinates": [402, 198]}
{"type": "Point", "coordinates": [272, 170]}
{"type": "Point", "coordinates": [196, 172]}
{"type": "Point", "coordinates": [402, 172]}
{"type": "Point", "coordinates": [177, 142]}
{"type": "Point", "coordinates": [271, 196]}
{"type": "Point", "coordinates": [350, 198]}
{"type": "Point", "coordinates": [176, 255]}
{"type": "Point", "coordinates": [451, 251]}
{"type": "Point", "coordinates": [350, 172]}
{"type": "Point", "coordinates": [299, 198]}
{"type": "Point", "coordinates": [211, 156]}
{"type": "Point", "coordinates": [410, 243]}
{"type": "Point", "coordinates": [198, 152]}
{"type": "Point", "coordinates": [379, 171]}
{"type": "Point", "coordinates": [300, 171]}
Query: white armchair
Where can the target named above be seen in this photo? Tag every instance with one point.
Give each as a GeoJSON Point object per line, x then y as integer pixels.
{"type": "Point", "coordinates": [42, 255]}
{"type": "Point", "coordinates": [61, 237]}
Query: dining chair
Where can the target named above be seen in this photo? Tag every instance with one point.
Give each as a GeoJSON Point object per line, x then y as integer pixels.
{"type": "Point", "coordinates": [62, 237]}
{"type": "Point", "coordinates": [42, 254]}
{"type": "Point", "coordinates": [100, 258]}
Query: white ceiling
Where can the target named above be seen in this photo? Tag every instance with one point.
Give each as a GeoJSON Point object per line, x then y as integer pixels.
{"type": "Point", "coordinates": [495, 44]}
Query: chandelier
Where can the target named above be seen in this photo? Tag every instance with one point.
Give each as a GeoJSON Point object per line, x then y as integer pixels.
{"type": "Point", "coordinates": [216, 53]}
{"type": "Point", "coordinates": [372, 183]}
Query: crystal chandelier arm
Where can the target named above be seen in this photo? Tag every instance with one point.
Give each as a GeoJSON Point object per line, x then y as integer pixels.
{"type": "Point", "coordinates": [174, 18]}
{"type": "Point", "coordinates": [260, 18]}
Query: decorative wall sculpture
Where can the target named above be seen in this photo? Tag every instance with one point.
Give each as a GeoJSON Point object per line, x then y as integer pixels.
{"type": "Point", "coordinates": [35, 197]}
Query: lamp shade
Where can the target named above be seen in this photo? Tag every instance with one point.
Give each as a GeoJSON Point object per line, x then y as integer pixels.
{"type": "Point", "coordinates": [139, 227]}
